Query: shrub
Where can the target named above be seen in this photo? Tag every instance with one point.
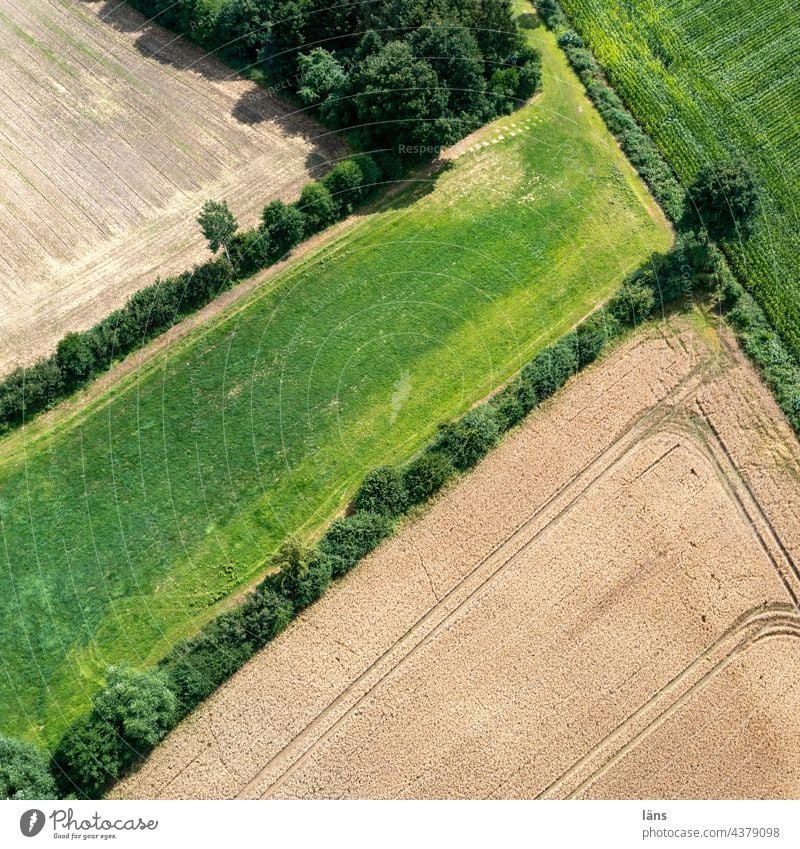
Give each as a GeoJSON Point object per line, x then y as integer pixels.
{"type": "Point", "coordinates": [24, 772]}
{"type": "Point", "coordinates": [88, 758]}
{"type": "Point", "coordinates": [303, 575]}
{"type": "Point", "coordinates": [370, 175]}
{"type": "Point", "coordinates": [250, 251]}
{"type": "Point", "coordinates": [317, 206]}
{"type": "Point", "coordinates": [632, 304]}
{"type": "Point", "coordinates": [725, 197]}
{"type": "Point", "coordinates": [513, 402]}
{"type": "Point", "coordinates": [467, 440]}
{"type": "Point", "coordinates": [570, 38]}
{"type": "Point", "coordinates": [382, 491]}
{"type": "Point", "coordinates": [426, 475]}
{"type": "Point", "coordinates": [284, 224]}
{"type": "Point", "coordinates": [349, 539]}
{"type": "Point", "coordinates": [139, 705]}
{"type": "Point", "coordinates": [552, 367]}
{"type": "Point", "coordinates": [75, 359]}
{"type": "Point", "coordinates": [265, 613]}
{"type": "Point", "coordinates": [345, 182]}
{"type": "Point", "coordinates": [197, 667]}
{"type": "Point", "coordinates": [592, 335]}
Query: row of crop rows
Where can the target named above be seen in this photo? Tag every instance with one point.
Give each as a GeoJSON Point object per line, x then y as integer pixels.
{"type": "Point", "coordinates": [710, 79]}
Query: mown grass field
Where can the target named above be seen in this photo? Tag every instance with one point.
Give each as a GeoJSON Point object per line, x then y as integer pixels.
{"type": "Point", "coordinates": [715, 78]}
{"type": "Point", "coordinates": [125, 525]}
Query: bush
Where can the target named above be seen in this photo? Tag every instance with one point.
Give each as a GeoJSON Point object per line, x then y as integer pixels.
{"type": "Point", "coordinates": [265, 613]}
{"type": "Point", "coordinates": [725, 197]}
{"type": "Point", "coordinates": [345, 182]}
{"type": "Point", "coordinates": [303, 575]}
{"type": "Point", "coordinates": [632, 304]}
{"type": "Point", "coordinates": [467, 440]}
{"type": "Point", "coordinates": [196, 667]}
{"type": "Point", "coordinates": [75, 359]}
{"type": "Point", "coordinates": [24, 772]}
{"type": "Point", "coordinates": [382, 491]}
{"type": "Point", "coordinates": [426, 475]}
{"type": "Point", "coordinates": [250, 251]}
{"type": "Point", "coordinates": [139, 705]}
{"type": "Point", "coordinates": [592, 335]}
{"type": "Point", "coordinates": [284, 224]}
{"type": "Point", "coordinates": [349, 539]}
{"type": "Point", "coordinates": [513, 402]}
{"type": "Point", "coordinates": [88, 758]}
{"type": "Point", "coordinates": [552, 367]}
{"type": "Point", "coordinates": [317, 206]}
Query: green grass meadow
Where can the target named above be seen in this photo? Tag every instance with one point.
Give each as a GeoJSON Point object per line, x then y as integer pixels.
{"type": "Point", "coordinates": [126, 523]}
{"type": "Point", "coordinates": [712, 79]}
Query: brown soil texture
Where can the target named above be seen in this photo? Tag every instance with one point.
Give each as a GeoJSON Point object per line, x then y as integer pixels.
{"type": "Point", "coordinates": [607, 601]}
{"type": "Point", "coordinates": [113, 132]}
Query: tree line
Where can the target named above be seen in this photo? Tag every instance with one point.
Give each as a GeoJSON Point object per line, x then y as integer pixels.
{"type": "Point", "coordinates": [80, 356]}
{"type": "Point", "coordinates": [414, 74]}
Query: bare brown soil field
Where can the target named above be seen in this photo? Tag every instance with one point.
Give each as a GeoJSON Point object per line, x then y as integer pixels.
{"type": "Point", "coordinates": [113, 133]}
{"type": "Point", "coordinates": [608, 601]}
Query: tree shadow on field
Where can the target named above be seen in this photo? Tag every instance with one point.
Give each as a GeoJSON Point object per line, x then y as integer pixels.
{"type": "Point", "coordinates": [162, 45]}
{"type": "Point", "coordinates": [409, 188]}
{"type": "Point", "coordinates": [254, 105]}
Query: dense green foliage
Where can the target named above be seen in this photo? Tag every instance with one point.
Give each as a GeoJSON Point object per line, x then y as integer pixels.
{"type": "Point", "coordinates": [717, 81]}
{"type": "Point", "coordinates": [302, 574]}
{"type": "Point", "coordinates": [218, 225]}
{"type": "Point", "coordinates": [724, 196]}
{"type": "Point", "coordinates": [405, 77]}
{"type": "Point", "coordinates": [131, 519]}
{"type": "Point", "coordinates": [24, 772]}
{"type": "Point", "coordinates": [350, 538]}
{"type": "Point", "coordinates": [130, 715]}
{"type": "Point", "coordinates": [383, 490]}
{"type": "Point", "coordinates": [465, 441]}
{"type": "Point", "coordinates": [425, 475]}
{"type": "Point", "coordinates": [196, 667]}
{"type": "Point", "coordinates": [764, 346]}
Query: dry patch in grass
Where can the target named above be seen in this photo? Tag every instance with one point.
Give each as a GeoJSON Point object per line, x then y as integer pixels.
{"type": "Point", "coordinates": [112, 134]}
{"type": "Point", "coordinates": [560, 623]}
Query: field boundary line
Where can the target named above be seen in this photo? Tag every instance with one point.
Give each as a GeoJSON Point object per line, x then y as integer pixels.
{"type": "Point", "coordinates": [529, 529]}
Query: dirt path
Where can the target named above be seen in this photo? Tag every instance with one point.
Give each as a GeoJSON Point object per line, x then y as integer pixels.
{"type": "Point", "coordinates": [112, 135]}
{"type": "Point", "coordinates": [610, 562]}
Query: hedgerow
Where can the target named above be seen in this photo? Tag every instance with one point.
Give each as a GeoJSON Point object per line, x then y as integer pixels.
{"type": "Point", "coordinates": [722, 200]}
{"type": "Point", "coordinates": [80, 357]}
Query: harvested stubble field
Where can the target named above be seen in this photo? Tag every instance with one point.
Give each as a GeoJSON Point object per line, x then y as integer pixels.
{"type": "Point", "coordinates": [606, 606]}
{"type": "Point", "coordinates": [112, 134]}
